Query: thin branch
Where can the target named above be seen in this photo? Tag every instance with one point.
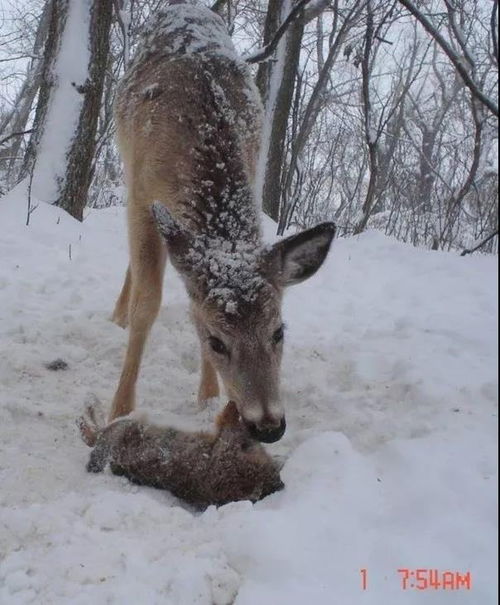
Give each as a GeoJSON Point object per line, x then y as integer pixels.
{"type": "Point", "coordinates": [264, 53]}
{"type": "Point", "coordinates": [20, 58]}
{"type": "Point", "coordinates": [493, 25]}
{"type": "Point", "coordinates": [485, 241]}
{"type": "Point", "coordinates": [15, 134]}
{"type": "Point", "coordinates": [452, 56]}
{"type": "Point", "coordinates": [31, 208]}
{"type": "Point", "coordinates": [459, 36]}
{"type": "Point", "coordinates": [119, 6]}
{"type": "Point", "coordinates": [380, 39]}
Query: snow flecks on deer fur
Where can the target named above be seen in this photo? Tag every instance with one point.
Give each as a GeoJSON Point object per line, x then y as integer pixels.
{"type": "Point", "coordinates": [191, 31]}
{"type": "Point", "coordinates": [152, 91]}
{"type": "Point", "coordinates": [218, 203]}
{"type": "Point", "coordinates": [185, 29]}
{"type": "Point", "coordinates": [230, 275]}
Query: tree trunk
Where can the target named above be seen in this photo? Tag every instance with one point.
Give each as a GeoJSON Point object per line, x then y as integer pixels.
{"type": "Point", "coordinates": [426, 177]}
{"type": "Point", "coordinates": [276, 82]}
{"type": "Point", "coordinates": [73, 194]}
{"type": "Point", "coordinates": [371, 134]}
{"type": "Point", "coordinates": [61, 148]}
{"type": "Point", "coordinates": [58, 12]}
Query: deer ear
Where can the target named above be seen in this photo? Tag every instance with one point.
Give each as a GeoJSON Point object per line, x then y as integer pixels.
{"type": "Point", "coordinates": [301, 255]}
{"type": "Point", "coordinates": [178, 239]}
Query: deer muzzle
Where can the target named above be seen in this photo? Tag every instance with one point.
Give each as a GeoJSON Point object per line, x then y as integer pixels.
{"type": "Point", "coordinates": [267, 431]}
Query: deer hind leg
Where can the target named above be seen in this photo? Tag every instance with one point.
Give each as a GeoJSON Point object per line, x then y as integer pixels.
{"type": "Point", "coordinates": [120, 314]}
{"type": "Point", "coordinates": [147, 264]}
{"type": "Point", "coordinates": [209, 385]}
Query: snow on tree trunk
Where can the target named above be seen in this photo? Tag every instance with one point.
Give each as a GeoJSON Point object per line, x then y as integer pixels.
{"type": "Point", "coordinates": [80, 155]}
{"type": "Point", "coordinates": [57, 18]}
{"type": "Point", "coordinates": [66, 120]}
{"type": "Point", "coordinates": [276, 82]}
{"type": "Point", "coordinates": [69, 72]}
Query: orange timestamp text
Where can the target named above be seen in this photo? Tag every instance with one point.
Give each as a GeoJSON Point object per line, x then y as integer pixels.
{"type": "Point", "coordinates": [427, 579]}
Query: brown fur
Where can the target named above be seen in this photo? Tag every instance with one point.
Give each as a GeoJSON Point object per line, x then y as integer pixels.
{"type": "Point", "coordinates": [159, 138]}
{"type": "Point", "coordinates": [188, 122]}
{"type": "Point", "coordinates": [201, 468]}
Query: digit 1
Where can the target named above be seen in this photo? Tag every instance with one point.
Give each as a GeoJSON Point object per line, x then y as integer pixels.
{"type": "Point", "coordinates": [406, 574]}
{"type": "Point", "coordinates": [364, 579]}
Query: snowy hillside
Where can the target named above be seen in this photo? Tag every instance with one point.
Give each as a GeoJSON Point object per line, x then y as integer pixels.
{"type": "Point", "coordinates": [390, 385]}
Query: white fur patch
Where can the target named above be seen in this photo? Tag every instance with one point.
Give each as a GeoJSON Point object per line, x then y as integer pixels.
{"type": "Point", "coordinates": [276, 410]}
{"type": "Point", "coordinates": [252, 413]}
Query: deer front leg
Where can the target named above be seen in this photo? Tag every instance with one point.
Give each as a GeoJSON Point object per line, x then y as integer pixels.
{"type": "Point", "coordinates": [147, 264]}
{"type": "Point", "coordinates": [120, 314]}
{"type": "Point", "coordinates": [209, 385]}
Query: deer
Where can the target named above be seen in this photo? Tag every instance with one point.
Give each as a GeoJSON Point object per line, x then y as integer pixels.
{"type": "Point", "coordinates": [189, 120]}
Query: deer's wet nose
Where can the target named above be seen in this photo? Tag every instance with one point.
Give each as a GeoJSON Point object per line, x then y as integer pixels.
{"type": "Point", "coordinates": [267, 432]}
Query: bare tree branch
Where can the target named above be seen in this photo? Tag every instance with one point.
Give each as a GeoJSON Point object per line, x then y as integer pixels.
{"type": "Point", "coordinates": [485, 241]}
{"type": "Point", "coordinates": [371, 136]}
{"type": "Point", "coordinates": [452, 56]}
{"type": "Point", "coordinates": [493, 26]}
{"type": "Point", "coordinates": [119, 6]}
{"type": "Point", "coordinates": [264, 53]}
{"type": "Point", "coordinates": [15, 134]}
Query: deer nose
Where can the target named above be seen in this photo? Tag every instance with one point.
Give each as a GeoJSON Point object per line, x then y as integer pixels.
{"type": "Point", "coordinates": [267, 432]}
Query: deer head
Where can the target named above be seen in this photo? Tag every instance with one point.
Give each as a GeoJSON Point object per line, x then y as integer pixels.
{"type": "Point", "coordinates": [236, 290]}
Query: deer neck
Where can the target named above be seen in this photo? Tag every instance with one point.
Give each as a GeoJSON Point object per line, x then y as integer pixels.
{"type": "Point", "coordinates": [218, 198]}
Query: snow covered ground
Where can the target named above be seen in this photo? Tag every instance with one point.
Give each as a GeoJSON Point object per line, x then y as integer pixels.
{"type": "Point", "coordinates": [390, 384]}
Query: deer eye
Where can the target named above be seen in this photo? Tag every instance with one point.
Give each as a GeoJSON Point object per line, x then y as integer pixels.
{"type": "Point", "coordinates": [217, 345]}
{"type": "Point", "coordinates": [279, 335]}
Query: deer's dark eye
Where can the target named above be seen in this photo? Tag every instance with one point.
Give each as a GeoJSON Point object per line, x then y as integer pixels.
{"type": "Point", "coordinates": [217, 345]}
{"type": "Point", "coordinates": [278, 335]}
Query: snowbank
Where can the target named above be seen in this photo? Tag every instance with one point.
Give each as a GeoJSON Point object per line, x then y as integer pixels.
{"type": "Point", "coordinates": [390, 384]}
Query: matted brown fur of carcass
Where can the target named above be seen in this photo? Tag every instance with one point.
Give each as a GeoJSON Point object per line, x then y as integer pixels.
{"type": "Point", "coordinates": [201, 468]}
